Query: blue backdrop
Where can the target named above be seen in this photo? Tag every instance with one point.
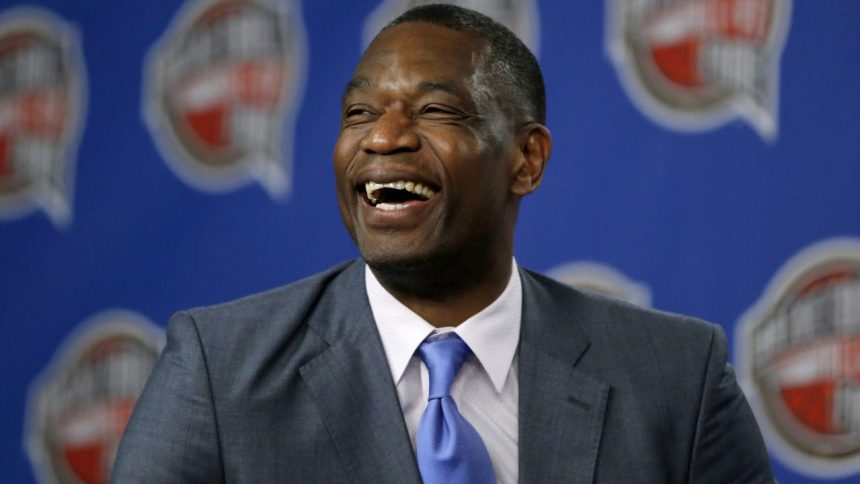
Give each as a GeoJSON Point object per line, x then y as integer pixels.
{"type": "Point", "coordinates": [697, 210]}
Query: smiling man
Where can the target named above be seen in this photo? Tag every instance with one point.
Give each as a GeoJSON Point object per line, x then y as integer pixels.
{"type": "Point", "coordinates": [436, 357]}
{"type": "Point", "coordinates": [432, 160]}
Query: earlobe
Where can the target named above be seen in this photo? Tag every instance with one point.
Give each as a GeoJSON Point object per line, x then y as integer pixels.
{"type": "Point", "coordinates": [535, 147]}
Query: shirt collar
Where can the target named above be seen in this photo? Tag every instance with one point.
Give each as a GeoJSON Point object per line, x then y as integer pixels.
{"type": "Point", "coordinates": [492, 333]}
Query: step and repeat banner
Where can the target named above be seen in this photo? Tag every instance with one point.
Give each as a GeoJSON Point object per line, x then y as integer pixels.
{"type": "Point", "coordinates": [160, 155]}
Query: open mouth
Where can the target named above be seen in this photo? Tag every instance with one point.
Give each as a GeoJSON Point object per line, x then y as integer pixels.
{"type": "Point", "coordinates": [395, 195]}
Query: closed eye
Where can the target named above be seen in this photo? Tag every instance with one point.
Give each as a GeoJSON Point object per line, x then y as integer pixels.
{"type": "Point", "coordinates": [438, 112]}
{"type": "Point", "coordinates": [358, 114]}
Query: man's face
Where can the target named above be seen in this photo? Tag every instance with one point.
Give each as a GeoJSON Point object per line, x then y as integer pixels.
{"type": "Point", "coordinates": [424, 158]}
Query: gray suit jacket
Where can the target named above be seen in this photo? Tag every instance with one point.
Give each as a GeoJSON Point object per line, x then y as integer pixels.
{"type": "Point", "coordinates": [292, 385]}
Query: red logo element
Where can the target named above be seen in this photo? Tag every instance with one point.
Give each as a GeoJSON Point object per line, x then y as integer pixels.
{"type": "Point", "coordinates": [79, 408]}
{"type": "Point", "coordinates": [800, 350]}
{"type": "Point", "coordinates": [222, 86]}
{"type": "Point", "coordinates": [695, 64]}
{"type": "Point", "coordinates": [41, 95]}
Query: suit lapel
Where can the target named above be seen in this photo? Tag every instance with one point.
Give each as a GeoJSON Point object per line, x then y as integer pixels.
{"type": "Point", "coordinates": [351, 385]}
{"type": "Point", "coordinates": [561, 408]}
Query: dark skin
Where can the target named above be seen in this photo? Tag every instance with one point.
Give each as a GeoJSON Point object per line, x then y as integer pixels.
{"type": "Point", "coordinates": [420, 110]}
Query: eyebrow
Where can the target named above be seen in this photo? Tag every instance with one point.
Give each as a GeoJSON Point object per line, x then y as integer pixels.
{"type": "Point", "coordinates": [440, 86]}
{"type": "Point", "coordinates": [353, 84]}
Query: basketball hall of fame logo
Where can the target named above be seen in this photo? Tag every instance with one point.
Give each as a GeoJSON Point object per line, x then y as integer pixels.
{"type": "Point", "coordinates": [799, 357]}
{"type": "Point", "coordinates": [79, 406]}
{"type": "Point", "coordinates": [221, 92]}
{"type": "Point", "coordinates": [695, 64]}
{"type": "Point", "coordinates": [41, 112]}
{"type": "Point", "coordinates": [521, 16]}
{"type": "Point", "coordinates": [602, 279]}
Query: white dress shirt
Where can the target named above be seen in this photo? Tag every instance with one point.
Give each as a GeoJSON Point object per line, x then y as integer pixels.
{"type": "Point", "coordinates": [486, 387]}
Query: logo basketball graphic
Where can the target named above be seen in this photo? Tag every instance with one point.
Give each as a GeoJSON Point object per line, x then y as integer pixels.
{"type": "Point", "coordinates": [521, 16]}
{"type": "Point", "coordinates": [222, 88]}
{"type": "Point", "coordinates": [696, 64]}
{"type": "Point", "coordinates": [602, 279]}
{"type": "Point", "coordinates": [800, 359]}
{"type": "Point", "coordinates": [79, 407]}
{"type": "Point", "coordinates": [41, 110]}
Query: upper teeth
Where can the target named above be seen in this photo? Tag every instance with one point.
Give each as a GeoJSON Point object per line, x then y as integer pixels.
{"type": "Point", "coordinates": [417, 188]}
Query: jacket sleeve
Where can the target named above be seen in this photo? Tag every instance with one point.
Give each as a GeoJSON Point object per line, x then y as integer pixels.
{"type": "Point", "coordinates": [728, 446]}
{"type": "Point", "coordinates": [172, 435]}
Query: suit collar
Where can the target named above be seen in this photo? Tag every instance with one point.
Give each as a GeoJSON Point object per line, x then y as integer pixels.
{"type": "Point", "coordinates": [351, 386]}
{"type": "Point", "coordinates": [549, 322]}
{"type": "Point", "coordinates": [492, 334]}
{"type": "Point", "coordinates": [561, 407]}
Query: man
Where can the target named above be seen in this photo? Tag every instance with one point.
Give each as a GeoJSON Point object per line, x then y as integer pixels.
{"type": "Point", "coordinates": [326, 380]}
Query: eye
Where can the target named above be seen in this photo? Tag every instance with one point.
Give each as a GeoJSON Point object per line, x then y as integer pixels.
{"type": "Point", "coordinates": [357, 113]}
{"type": "Point", "coordinates": [441, 112]}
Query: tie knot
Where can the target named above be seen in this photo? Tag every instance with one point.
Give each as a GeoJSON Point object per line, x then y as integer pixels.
{"type": "Point", "coordinates": [443, 358]}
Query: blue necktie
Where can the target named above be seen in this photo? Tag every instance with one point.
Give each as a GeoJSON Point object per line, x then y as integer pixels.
{"type": "Point", "coordinates": [450, 450]}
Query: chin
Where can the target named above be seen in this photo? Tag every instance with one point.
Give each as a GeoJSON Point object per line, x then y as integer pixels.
{"type": "Point", "coordinates": [396, 251]}
{"type": "Point", "coordinates": [394, 261]}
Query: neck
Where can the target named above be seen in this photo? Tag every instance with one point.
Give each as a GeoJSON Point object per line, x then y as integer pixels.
{"type": "Point", "coordinates": [446, 293]}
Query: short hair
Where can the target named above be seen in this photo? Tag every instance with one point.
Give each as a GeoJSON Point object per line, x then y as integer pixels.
{"type": "Point", "coordinates": [512, 67]}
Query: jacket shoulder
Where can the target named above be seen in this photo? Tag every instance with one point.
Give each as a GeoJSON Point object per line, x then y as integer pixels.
{"type": "Point", "coordinates": [624, 335]}
{"type": "Point", "coordinates": [598, 314]}
{"type": "Point", "coordinates": [632, 347]}
{"type": "Point", "coordinates": [248, 330]}
{"type": "Point", "coordinates": [284, 304]}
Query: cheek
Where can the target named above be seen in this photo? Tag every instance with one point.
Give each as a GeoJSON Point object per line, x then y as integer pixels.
{"type": "Point", "coordinates": [342, 157]}
{"type": "Point", "coordinates": [344, 152]}
{"type": "Point", "coordinates": [470, 161]}
{"type": "Point", "coordinates": [456, 152]}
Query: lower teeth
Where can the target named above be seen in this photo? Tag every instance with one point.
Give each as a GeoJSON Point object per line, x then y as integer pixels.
{"type": "Point", "coordinates": [390, 206]}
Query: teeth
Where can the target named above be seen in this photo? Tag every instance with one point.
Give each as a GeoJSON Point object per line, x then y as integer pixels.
{"type": "Point", "coordinates": [390, 206]}
{"type": "Point", "coordinates": [417, 188]}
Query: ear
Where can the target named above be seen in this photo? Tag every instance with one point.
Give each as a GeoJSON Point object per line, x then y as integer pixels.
{"type": "Point", "coordinates": [534, 145]}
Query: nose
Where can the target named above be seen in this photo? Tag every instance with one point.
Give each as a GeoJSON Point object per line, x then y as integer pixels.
{"type": "Point", "coordinates": [393, 132]}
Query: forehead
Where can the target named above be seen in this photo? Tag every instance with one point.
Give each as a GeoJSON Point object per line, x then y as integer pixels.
{"type": "Point", "coordinates": [415, 53]}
